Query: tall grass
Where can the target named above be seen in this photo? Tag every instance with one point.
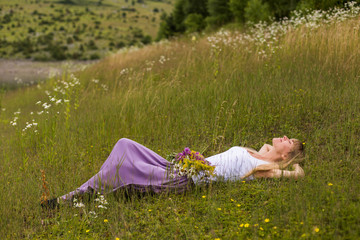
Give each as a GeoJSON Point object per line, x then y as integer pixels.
{"type": "Point", "coordinates": [187, 93]}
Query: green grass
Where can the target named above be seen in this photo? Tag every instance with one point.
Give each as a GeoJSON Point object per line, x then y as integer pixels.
{"type": "Point", "coordinates": [308, 89]}
{"type": "Point", "coordinates": [27, 27]}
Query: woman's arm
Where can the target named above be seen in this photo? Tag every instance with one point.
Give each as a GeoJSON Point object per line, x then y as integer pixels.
{"type": "Point", "coordinates": [277, 173]}
{"type": "Point", "coordinates": [265, 148]}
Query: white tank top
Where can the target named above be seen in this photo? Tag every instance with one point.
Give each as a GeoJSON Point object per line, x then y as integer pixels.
{"type": "Point", "coordinates": [233, 164]}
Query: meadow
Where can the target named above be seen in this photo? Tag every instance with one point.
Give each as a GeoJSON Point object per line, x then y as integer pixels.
{"type": "Point", "coordinates": [78, 30]}
{"type": "Point", "coordinates": [298, 78]}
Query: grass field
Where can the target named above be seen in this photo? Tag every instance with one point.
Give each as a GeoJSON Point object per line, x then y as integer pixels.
{"type": "Point", "coordinates": [207, 93]}
{"type": "Point", "coordinates": [83, 30]}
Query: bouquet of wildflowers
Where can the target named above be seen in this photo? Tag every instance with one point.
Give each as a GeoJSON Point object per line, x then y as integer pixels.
{"type": "Point", "coordinates": [190, 163]}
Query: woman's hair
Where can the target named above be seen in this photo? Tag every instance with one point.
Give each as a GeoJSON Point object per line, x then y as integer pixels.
{"type": "Point", "coordinates": [296, 155]}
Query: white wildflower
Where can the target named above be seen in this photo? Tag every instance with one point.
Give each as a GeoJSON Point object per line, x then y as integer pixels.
{"type": "Point", "coordinates": [104, 87]}
{"type": "Point", "coordinates": [79, 205]}
{"type": "Point", "coordinates": [46, 105]}
{"type": "Point", "coordinates": [93, 214]}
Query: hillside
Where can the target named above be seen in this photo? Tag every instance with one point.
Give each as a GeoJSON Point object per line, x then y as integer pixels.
{"type": "Point", "coordinates": [78, 29]}
{"type": "Point", "coordinates": [299, 77]}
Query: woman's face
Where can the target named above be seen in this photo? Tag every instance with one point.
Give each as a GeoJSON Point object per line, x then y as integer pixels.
{"type": "Point", "coordinates": [283, 145]}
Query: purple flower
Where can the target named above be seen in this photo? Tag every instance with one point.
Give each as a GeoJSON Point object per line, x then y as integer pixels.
{"type": "Point", "coordinates": [187, 151]}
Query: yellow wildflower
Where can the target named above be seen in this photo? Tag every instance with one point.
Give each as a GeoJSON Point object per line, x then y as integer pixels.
{"type": "Point", "coordinates": [246, 225]}
{"type": "Point", "coordinates": [330, 184]}
{"type": "Point", "coordinates": [316, 229]}
{"type": "Point", "coordinates": [117, 238]}
{"type": "Point", "coordinates": [217, 239]}
{"type": "Point", "coordinates": [88, 230]}
{"type": "Point", "coordinates": [149, 210]}
{"type": "Point", "coordinates": [238, 205]}
{"type": "Point", "coordinates": [267, 220]}
{"type": "Point", "coordinates": [261, 229]}
{"type": "Point", "coordinates": [303, 235]}
{"type": "Point", "coordinates": [255, 225]}
{"type": "Point", "coordinates": [203, 196]}
{"type": "Point", "coordinates": [275, 227]}
{"type": "Point", "coordinates": [241, 225]}
{"type": "Point", "coordinates": [232, 200]}
{"type": "Point", "coordinates": [219, 209]}
{"type": "Point", "coordinates": [105, 221]}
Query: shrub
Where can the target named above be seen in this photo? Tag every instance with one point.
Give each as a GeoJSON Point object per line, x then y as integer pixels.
{"type": "Point", "coordinates": [69, 40]}
{"type": "Point", "coordinates": [120, 44]}
{"type": "Point", "coordinates": [91, 45]}
{"type": "Point", "coordinates": [26, 46]}
{"type": "Point", "coordinates": [31, 30]}
{"type": "Point", "coordinates": [42, 56]}
{"type": "Point", "coordinates": [58, 52]}
{"type": "Point", "coordinates": [146, 39]}
{"type": "Point", "coordinates": [137, 32]}
{"type": "Point", "coordinates": [94, 56]}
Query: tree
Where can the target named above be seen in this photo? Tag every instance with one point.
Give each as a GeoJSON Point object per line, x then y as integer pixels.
{"type": "Point", "coordinates": [320, 4]}
{"type": "Point", "coordinates": [282, 8]}
{"type": "Point", "coordinates": [196, 6]}
{"type": "Point", "coordinates": [179, 16]}
{"type": "Point", "coordinates": [219, 12]}
{"type": "Point", "coordinates": [167, 27]}
{"type": "Point", "coordinates": [237, 7]}
{"type": "Point", "coordinates": [256, 11]}
{"type": "Point", "coordinates": [194, 22]}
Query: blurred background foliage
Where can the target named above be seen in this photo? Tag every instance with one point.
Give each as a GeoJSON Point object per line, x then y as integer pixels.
{"type": "Point", "coordinates": [197, 15]}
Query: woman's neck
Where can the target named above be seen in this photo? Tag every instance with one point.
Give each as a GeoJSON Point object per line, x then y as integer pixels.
{"type": "Point", "coordinates": [270, 156]}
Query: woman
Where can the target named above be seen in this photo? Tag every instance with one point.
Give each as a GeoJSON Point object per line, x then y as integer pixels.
{"type": "Point", "coordinates": [131, 165]}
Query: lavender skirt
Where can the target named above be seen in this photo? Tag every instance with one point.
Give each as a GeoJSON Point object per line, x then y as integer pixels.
{"type": "Point", "coordinates": [131, 165]}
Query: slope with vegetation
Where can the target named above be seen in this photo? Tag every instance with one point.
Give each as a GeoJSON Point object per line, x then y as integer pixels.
{"type": "Point", "coordinates": [298, 77]}
{"type": "Point", "coordinates": [76, 29]}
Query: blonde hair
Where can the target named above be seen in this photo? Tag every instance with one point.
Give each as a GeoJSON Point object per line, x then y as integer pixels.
{"type": "Point", "coordinates": [296, 155]}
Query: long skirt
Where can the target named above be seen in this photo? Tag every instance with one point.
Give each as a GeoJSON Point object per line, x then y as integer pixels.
{"type": "Point", "coordinates": [132, 165]}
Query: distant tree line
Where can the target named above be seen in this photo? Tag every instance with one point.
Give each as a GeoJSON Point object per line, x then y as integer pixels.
{"type": "Point", "coordinates": [196, 15]}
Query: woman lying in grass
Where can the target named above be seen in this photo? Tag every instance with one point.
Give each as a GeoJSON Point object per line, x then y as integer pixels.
{"type": "Point", "coordinates": [131, 165]}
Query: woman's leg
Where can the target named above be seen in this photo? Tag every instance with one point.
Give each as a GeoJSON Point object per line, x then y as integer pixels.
{"type": "Point", "coordinates": [129, 163]}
